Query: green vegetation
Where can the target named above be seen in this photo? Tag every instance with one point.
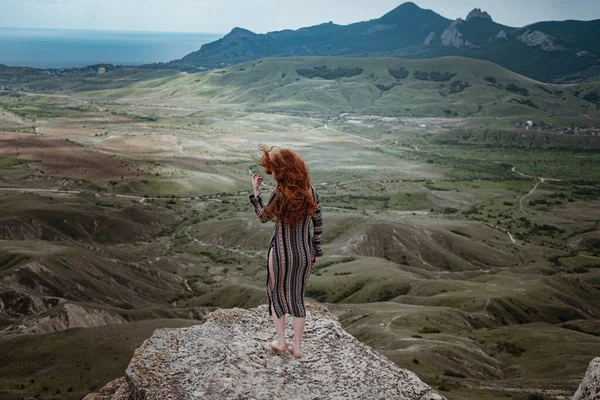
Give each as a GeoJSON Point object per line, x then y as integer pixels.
{"type": "Point", "coordinates": [516, 89]}
{"type": "Point", "coordinates": [433, 76]}
{"type": "Point", "coordinates": [325, 73]}
{"type": "Point", "coordinates": [398, 73]}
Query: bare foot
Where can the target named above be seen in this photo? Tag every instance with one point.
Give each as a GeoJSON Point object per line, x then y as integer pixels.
{"type": "Point", "coordinates": [292, 350]}
{"type": "Point", "coordinates": [277, 347]}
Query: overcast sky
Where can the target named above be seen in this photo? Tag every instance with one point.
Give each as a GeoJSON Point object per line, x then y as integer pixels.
{"type": "Point", "coordinates": [214, 16]}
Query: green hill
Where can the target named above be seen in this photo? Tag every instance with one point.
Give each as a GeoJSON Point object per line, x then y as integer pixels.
{"type": "Point", "coordinates": [449, 87]}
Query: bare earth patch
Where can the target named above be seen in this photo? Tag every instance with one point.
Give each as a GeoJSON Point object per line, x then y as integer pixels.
{"type": "Point", "coordinates": [140, 144]}
{"type": "Point", "coordinates": [59, 157]}
{"type": "Point", "coordinates": [57, 131]}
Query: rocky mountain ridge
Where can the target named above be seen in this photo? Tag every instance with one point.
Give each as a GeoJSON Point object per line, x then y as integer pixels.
{"type": "Point", "coordinates": [411, 32]}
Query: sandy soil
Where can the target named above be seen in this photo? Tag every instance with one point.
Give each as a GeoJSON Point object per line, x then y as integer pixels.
{"type": "Point", "coordinates": [61, 158]}
{"type": "Point", "coordinates": [155, 144]}
{"type": "Point", "coordinates": [57, 131]}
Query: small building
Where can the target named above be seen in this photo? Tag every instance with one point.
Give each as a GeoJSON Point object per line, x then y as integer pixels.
{"type": "Point", "coordinates": [101, 70]}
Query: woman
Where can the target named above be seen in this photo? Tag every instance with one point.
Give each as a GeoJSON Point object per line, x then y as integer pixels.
{"type": "Point", "coordinates": [292, 253]}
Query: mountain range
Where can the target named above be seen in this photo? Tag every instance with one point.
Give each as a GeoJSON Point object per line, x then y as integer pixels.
{"type": "Point", "coordinates": [552, 51]}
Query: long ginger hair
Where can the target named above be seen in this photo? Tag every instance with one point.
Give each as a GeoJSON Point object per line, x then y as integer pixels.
{"type": "Point", "coordinates": [294, 199]}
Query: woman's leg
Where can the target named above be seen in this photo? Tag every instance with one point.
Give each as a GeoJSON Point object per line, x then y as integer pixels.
{"type": "Point", "coordinates": [299, 322]}
{"type": "Point", "coordinates": [298, 332]}
{"type": "Point", "coordinates": [279, 322]}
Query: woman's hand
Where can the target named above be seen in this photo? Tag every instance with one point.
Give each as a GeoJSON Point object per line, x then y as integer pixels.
{"type": "Point", "coordinates": [256, 182]}
{"type": "Point", "coordinates": [314, 262]}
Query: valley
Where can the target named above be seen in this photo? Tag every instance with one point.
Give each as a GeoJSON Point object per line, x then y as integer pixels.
{"type": "Point", "coordinates": [460, 241]}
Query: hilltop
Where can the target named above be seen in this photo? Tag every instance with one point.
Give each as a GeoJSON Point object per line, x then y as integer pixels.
{"type": "Point", "coordinates": [553, 51]}
{"type": "Point", "coordinates": [228, 356]}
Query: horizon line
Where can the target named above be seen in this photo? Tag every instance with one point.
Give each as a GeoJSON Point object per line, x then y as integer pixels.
{"type": "Point", "coordinates": [112, 30]}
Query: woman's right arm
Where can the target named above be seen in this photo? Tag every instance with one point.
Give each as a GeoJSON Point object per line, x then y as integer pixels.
{"type": "Point", "coordinates": [259, 207]}
{"type": "Point", "coordinates": [317, 226]}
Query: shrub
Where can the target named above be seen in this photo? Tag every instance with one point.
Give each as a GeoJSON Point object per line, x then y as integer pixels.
{"type": "Point", "coordinates": [433, 76]}
{"type": "Point", "coordinates": [526, 102]}
{"type": "Point", "coordinates": [516, 89]}
{"type": "Point", "coordinates": [459, 233]}
{"type": "Point", "coordinates": [592, 97]}
{"type": "Point", "coordinates": [510, 348]}
{"type": "Point", "coordinates": [330, 74]}
{"type": "Point", "coordinates": [453, 374]}
{"type": "Point", "coordinates": [449, 210]}
{"type": "Point", "coordinates": [398, 73]}
{"type": "Point", "coordinates": [458, 86]}
{"type": "Point", "coordinates": [490, 79]}
{"type": "Point", "coordinates": [385, 88]}
{"type": "Point", "coordinates": [428, 329]}
{"type": "Point", "coordinates": [536, 396]}
{"type": "Point", "coordinates": [580, 270]}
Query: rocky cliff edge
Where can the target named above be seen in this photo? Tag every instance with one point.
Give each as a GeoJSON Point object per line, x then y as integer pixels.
{"type": "Point", "coordinates": [229, 357]}
{"type": "Point", "coordinates": [590, 386]}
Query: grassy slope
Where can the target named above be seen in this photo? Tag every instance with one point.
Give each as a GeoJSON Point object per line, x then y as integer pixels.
{"type": "Point", "coordinates": [17, 77]}
{"type": "Point", "coordinates": [36, 365]}
{"type": "Point", "coordinates": [274, 84]}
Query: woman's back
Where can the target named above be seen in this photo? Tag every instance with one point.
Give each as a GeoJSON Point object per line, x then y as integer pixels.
{"type": "Point", "coordinates": [291, 253]}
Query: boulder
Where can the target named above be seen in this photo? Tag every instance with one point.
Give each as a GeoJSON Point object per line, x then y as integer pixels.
{"type": "Point", "coordinates": [590, 386]}
{"type": "Point", "coordinates": [539, 39]}
{"type": "Point", "coordinates": [229, 357]}
{"type": "Point", "coordinates": [430, 38]}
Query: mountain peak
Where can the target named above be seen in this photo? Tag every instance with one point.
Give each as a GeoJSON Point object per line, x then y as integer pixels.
{"type": "Point", "coordinates": [403, 9]}
{"type": "Point", "coordinates": [477, 13]}
{"type": "Point", "coordinates": [229, 355]}
{"type": "Point", "coordinates": [240, 32]}
{"type": "Point", "coordinates": [410, 12]}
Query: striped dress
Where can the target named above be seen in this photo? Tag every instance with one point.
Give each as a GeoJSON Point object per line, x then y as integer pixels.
{"type": "Point", "coordinates": [293, 249]}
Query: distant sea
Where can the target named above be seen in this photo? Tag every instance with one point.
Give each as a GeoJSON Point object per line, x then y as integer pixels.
{"type": "Point", "coordinates": [58, 48]}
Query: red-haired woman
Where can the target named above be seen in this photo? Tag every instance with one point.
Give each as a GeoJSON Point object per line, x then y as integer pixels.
{"type": "Point", "coordinates": [293, 251]}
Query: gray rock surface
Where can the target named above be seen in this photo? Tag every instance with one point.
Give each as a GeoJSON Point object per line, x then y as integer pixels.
{"type": "Point", "coordinates": [113, 390]}
{"type": "Point", "coordinates": [539, 39]}
{"type": "Point", "coordinates": [229, 357]}
{"type": "Point", "coordinates": [430, 38]}
{"type": "Point", "coordinates": [378, 28]}
{"type": "Point", "coordinates": [590, 386]}
{"type": "Point", "coordinates": [502, 35]}
{"type": "Point", "coordinates": [452, 37]}
{"type": "Point", "coordinates": [584, 53]}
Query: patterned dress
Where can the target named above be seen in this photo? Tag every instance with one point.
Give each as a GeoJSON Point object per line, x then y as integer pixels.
{"type": "Point", "coordinates": [293, 249]}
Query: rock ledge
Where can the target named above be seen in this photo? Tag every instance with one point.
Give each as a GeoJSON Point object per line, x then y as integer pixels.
{"type": "Point", "coordinates": [590, 386]}
{"type": "Point", "coordinates": [229, 357]}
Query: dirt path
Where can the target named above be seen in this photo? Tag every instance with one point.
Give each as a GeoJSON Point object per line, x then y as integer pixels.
{"type": "Point", "coordinates": [512, 239]}
{"type": "Point", "coordinates": [541, 180]}
{"type": "Point", "coordinates": [347, 134]}
{"type": "Point", "coordinates": [514, 170]}
{"type": "Point", "coordinates": [61, 191]}
{"type": "Point", "coordinates": [429, 152]}
{"type": "Point", "coordinates": [528, 194]}
{"type": "Point", "coordinates": [201, 243]}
